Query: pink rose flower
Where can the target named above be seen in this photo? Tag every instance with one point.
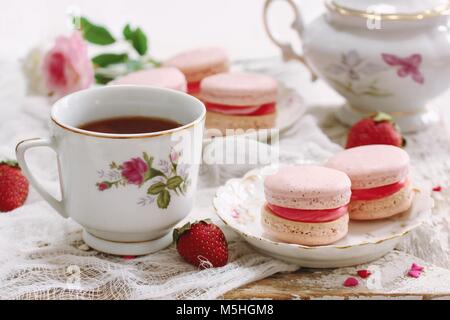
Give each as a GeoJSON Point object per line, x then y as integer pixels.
{"type": "Point", "coordinates": [67, 67]}
{"type": "Point", "coordinates": [102, 186]}
{"type": "Point", "coordinates": [134, 170]}
{"type": "Point", "coordinates": [174, 156]}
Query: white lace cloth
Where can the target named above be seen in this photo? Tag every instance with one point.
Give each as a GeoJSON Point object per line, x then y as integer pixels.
{"type": "Point", "coordinates": [42, 255]}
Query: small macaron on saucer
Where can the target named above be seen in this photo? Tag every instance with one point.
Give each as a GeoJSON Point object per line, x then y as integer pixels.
{"type": "Point", "coordinates": [247, 102]}
{"type": "Point", "coordinates": [199, 63]}
{"type": "Point", "coordinates": [242, 205]}
{"type": "Point", "coordinates": [381, 183]}
{"type": "Point", "coordinates": [164, 77]}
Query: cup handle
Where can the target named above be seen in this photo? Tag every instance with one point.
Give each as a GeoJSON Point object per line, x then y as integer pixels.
{"type": "Point", "coordinates": [21, 148]}
{"type": "Point", "coordinates": [287, 50]}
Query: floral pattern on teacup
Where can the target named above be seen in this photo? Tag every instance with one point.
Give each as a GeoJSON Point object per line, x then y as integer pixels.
{"type": "Point", "coordinates": [408, 66]}
{"type": "Point", "coordinates": [355, 75]}
{"type": "Point", "coordinates": [166, 179]}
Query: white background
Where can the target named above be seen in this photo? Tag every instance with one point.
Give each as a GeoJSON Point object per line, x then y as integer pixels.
{"type": "Point", "coordinates": [171, 25]}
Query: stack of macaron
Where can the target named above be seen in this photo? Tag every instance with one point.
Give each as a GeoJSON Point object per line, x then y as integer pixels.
{"type": "Point", "coordinates": [239, 101]}
{"type": "Point", "coordinates": [167, 77]}
{"type": "Point", "coordinates": [233, 100]}
{"type": "Point", "coordinates": [306, 205]}
{"type": "Point", "coordinates": [198, 64]}
{"type": "Point", "coordinates": [381, 185]}
{"type": "Point", "coordinates": [311, 205]}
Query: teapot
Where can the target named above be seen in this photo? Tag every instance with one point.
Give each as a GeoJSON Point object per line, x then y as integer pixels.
{"type": "Point", "coordinates": [390, 56]}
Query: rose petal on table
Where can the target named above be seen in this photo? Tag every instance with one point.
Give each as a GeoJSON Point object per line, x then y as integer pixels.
{"type": "Point", "coordinates": [351, 282]}
{"type": "Point", "coordinates": [129, 257]}
{"type": "Point", "coordinates": [414, 273]}
{"type": "Point", "coordinates": [437, 189]}
{"type": "Point", "coordinates": [416, 267]}
{"type": "Point", "coordinates": [364, 273]}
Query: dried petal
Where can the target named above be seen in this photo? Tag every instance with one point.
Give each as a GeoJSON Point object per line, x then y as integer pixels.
{"type": "Point", "coordinates": [351, 282]}
{"type": "Point", "coordinates": [414, 273]}
{"type": "Point", "coordinates": [364, 273]}
{"type": "Point", "coordinates": [416, 267]}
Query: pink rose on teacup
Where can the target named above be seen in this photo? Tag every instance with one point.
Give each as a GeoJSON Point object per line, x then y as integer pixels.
{"type": "Point", "coordinates": [174, 156]}
{"type": "Point", "coordinates": [134, 171]}
{"type": "Point", "coordinates": [67, 67]}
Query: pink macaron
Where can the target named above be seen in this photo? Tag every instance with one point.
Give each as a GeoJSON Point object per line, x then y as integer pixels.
{"type": "Point", "coordinates": [381, 185]}
{"type": "Point", "coordinates": [239, 101]}
{"type": "Point", "coordinates": [196, 64]}
{"type": "Point", "coordinates": [306, 205]}
{"type": "Point", "coordinates": [170, 78]}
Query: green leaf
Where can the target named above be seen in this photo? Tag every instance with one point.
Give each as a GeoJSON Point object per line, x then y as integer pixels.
{"type": "Point", "coordinates": [10, 163]}
{"type": "Point", "coordinates": [106, 59]}
{"type": "Point", "coordinates": [178, 232]}
{"type": "Point", "coordinates": [156, 188]}
{"type": "Point", "coordinates": [381, 116]}
{"type": "Point", "coordinates": [151, 173]}
{"type": "Point", "coordinates": [95, 34]}
{"type": "Point", "coordinates": [139, 41]}
{"type": "Point", "coordinates": [102, 79]}
{"type": "Point", "coordinates": [174, 182]}
{"type": "Point", "coordinates": [163, 199]}
{"type": "Point", "coordinates": [147, 158]}
{"type": "Point", "coordinates": [127, 32]}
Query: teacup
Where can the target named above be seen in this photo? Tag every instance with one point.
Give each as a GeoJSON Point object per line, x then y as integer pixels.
{"type": "Point", "coordinates": [126, 190]}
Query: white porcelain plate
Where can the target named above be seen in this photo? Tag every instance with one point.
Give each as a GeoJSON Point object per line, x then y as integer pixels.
{"type": "Point", "coordinates": [290, 107]}
{"type": "Point", "coordinates": [238, 203]}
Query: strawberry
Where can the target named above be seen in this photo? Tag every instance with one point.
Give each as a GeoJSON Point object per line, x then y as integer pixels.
{"type": "Point", "coordinates": [202, 244]}
{"type": "Point", "coordinates": [13, 186]}
{"type": "Point", "coordinates": [378, 129]}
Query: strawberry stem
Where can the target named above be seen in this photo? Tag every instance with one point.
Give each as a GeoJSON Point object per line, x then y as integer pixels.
{"type": "Point", "coordinates": [11, 163]}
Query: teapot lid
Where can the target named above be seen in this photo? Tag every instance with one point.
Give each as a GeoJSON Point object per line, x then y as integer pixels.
{"type": "Point", "coordinates": [391, 7]}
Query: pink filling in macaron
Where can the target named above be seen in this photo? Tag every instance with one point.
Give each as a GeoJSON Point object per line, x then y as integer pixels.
{"type": "Point", "coordinates": [309, 216]}
{"type": "Point", "coordinates": [193, 87]}
{"type": "Point", "coordinates": [239, 94]}
{"type": "Point", "coordinates": [379, 192]}
{"type": "Point", "coordinates": [258, 110]}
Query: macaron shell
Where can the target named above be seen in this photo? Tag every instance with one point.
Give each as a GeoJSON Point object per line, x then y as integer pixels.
{"type": "Point", "coordinates": [372, 166]}
{"type": "Point", "coordinates": [308, 234]}
{"type": "Point", "coordinates": [223, 122]}
{"type": "Point", "coordinates": [199, 63]}
{"type": "Point", "coordinates": [239, 89]}
{"type": "Point", "coordinates": [170, 78]}
{"type": "Point", "coordinates": [382, 208]}
{"type": "Point", "coordinates": [308, 188]}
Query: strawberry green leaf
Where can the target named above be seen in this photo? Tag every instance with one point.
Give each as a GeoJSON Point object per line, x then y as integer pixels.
{"type": "Point", "coordinates": [381, 116]}
{"type": "Point", "coordinates": [11, 163]}
{"type": "Point", "coordinates": [178, 232]}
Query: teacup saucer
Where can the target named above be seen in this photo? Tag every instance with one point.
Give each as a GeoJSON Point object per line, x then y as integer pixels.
{"type": "Point", "coordinates": [238, 203]}
{"type": "Point", "coordinates": [127, 248]}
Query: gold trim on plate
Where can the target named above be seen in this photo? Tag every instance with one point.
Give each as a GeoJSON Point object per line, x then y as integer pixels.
{"type": "Point", "coordinates": [432, 13]}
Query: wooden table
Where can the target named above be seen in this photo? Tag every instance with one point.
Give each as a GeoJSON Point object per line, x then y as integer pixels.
{"type": "Point", "coordinates": [307, 284]}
